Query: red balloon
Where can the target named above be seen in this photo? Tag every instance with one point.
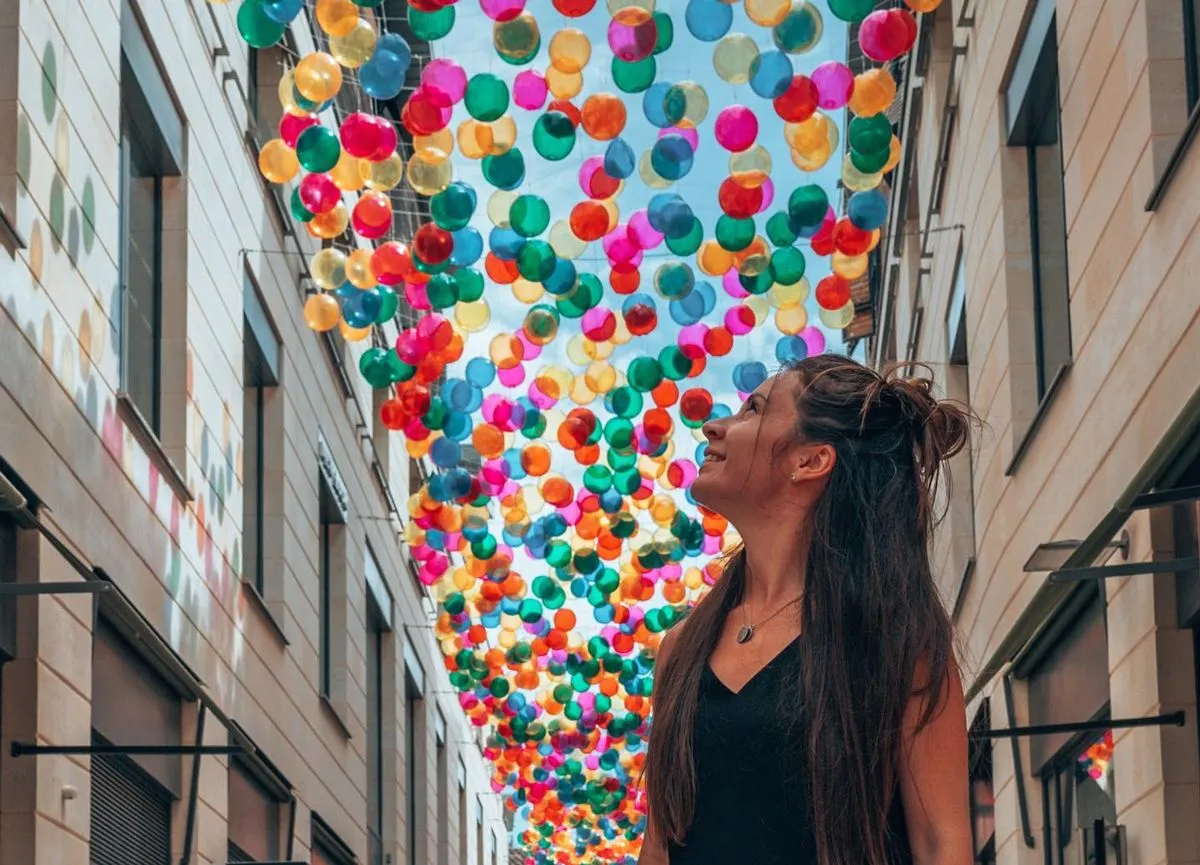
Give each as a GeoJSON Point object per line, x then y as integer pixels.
{"type": "Point", "coordinates": [602, 185]}
{"type": "Point", "coordinates": [849, 239]}
{"type": "Point", "coordinates": [291, 125]}
{"type": "Point", "coordinates": [319, 194]}
{"type": "Point", "coordinates": [737, 201]}
{"type": "Point", "coordinates": [360, 134]}
{"type": "Point", "coordinates": [696, 404]}
{"type": "Point", "coordinates": [574, 8]}
{"type": "Point", "coordinates": [388, 139]}
{"type": "Point", "coordinates": [799, 101]}
{"type": "Point", "coordinates": [885, 34]}
{"type": "Point", "coordinates": [565, 106]}
{"type": "Point", "coordinates": [432, 243]}
{"type": "Point", "coordinates": [822, 241]}
{"type": "Point", "coordinates": [427, 111]}
{"type": "Point", "coordinates": [372, 216]}
{"type": "Point", "coordinates": [641, 319]}
{"type": "Point", "coordinates": [833, 292]}
{"type": "Point", "coordinates": [392, 414]}
{"type": "Point", "coordinates": [391, 263]}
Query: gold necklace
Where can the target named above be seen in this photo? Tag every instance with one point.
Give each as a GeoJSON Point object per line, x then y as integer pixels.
{"type": "Point", "coordinates": [746, 633]}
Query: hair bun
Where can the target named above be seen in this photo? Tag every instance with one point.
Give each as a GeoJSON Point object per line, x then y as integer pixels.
{"type": "Point", "coordinates": [940, 428]}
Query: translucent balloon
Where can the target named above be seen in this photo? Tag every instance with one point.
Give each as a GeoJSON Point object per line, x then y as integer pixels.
{"type": "Point", "coordinates": [630, 11]}
{"type": "Point", "coordinates": [835, 84]}
{"type": "Point", "coordinates": [318, 149]}
{"type": "Point", "coordinates": [570, 50]}
{"type": "Point", "coordinates": [431, 26]}
{"type": "Point", "coordinates": [383, 175]}
{"type": "Point", "coordinates": [529, 90]}
{"type": "Point", "coordinates": [771, 74]}
{"type": "Point", "coordinates": [257, 28]}
{"type": "Point", "coordinates": [553, 136]}
{"type": "Point", "coordinates": [708, 20]}
{"type": "Point", "coordinates": [836, 319]}
{"type": "Point", "coordinates": [857, 181]}
{"type": "Point", "coordinates": [282, 11]}
{"type": "Point", "coordinates": [328, 268]}
{"type": "Point", "coordinates": [695, 103]}
{"type": "Point", "coordinates": [851, 11]}
{"type": "Point", "coordinates": [517, 40]}
{"type": "Point", "coordinates": [382, 77]}
{"type": "Point", "coordinates": [502, 10]}
{"type": "Point", "coordinates": [736, 128]}
{"type": "Point", "coordinates": [732, 57]}
{"type": "Point", "coordinates": [632, 42]}
{"type": "Point", "coordinates": [564, 85]}
{"type": "Point", "coordinates": [331, 224]}
{"type": "Point", "coordinates": [336, 17]}
{"type": "Point", "coordinates": [874, 92]}
{"type": "Point", "coordinates": [867, 210]}
{"type": "Point", "coordinates": [278, 162]}
{"type": "Point", "coordinates": [603, 116]}
{"type": "Point", "coordinates": [427, 174]}
{"type": "Point", "coordinates": [800, 30]}
{"type": "Point", "coordinates": [318, 77]}
{"type": "Point", "coordinates": [356, 47]}
{"type": "Point", "coordinates": [322, 312]}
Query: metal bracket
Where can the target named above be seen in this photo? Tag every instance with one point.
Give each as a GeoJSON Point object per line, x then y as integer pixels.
{"type": "Point", "coordinates": [81, 587]}
{"type": "Point", "coordinates": [23, 749]}
{"type": "Point", "coordinates": [1127, 569]}
{"type": "Point", "coordinates": [1172, 719]}
{"type": "Point", "coordinates": [1176, 496]}
{"type": "Point", "coordinates": [1018, 769]}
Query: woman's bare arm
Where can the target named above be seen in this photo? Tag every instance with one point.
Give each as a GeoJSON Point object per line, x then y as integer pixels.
{"type": "Point", "coordinates": [654, 850]}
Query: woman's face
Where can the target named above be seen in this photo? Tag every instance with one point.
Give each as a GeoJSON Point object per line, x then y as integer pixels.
{"type": "Point", "coordinates": [748, 465]}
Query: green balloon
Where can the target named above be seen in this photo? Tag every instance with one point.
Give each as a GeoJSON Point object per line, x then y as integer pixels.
{"type": "Point", "coordinates": [597, 479]}
{"type": "Point", "coordinates": [689, 242]}
{"type": "Point", "coordinates": [389, 304]}
{"type": "Point", "coordinates": [554, 136]}
{"type": "Point", "coordinates": [484, 548]}
{"type": "Point", "coordinates": [734, 235]}
{"type": "Point", "coordinates": [618, 432]}
{"type": "Point", "coordinates": [257, 28]}
{"type": "Point", "coordinates": [674, 280]}
{"type": "Point", "coordinates": [530, 611]}
{"type": "Point", "coordinates": [368, 4]}
{"type": "Point", "coordinates": [453, 207]}
{"type": "Point", "coordinates": [674, 363]}
{"type": "Point", "coordinates": [787, 265]}
{"type": "Point", "coordinates": [529, 215]}
{"type": "Point", "coordinates": [587, 295]}
{"type": "Point", "coordinates": [870, 134]}
{"type": "Point", "coordinates": [300, 213]}
{"type": "Point", "coordinates": [522, 59]}
{"type": "Point", "coordinates": [807, 205]}
{"type": "Point", "coordinates": [666, 32]}
{"type": "Point", "coordinates": [624, 402]}
{"type": "Point", "coordinates": [869, 162]}
{"type": "Point", "coordinates": [506, 171]}
{"type": "Point", "coordinates": [486, 98]}
{"type": "Point", "coordinates": [373, 367]}
{"type": "Point", "coordinates": [627, 482]}
{"type": "Point", "coordinates": [442, 291]}
{"type": "Point", "coordinates": [634, 77]}
{"type": "Point", "coordinates": [779, 230]}
{"type": "Point", "coordinates": [645, 374]}
{"type": "Point", "coordinates": [318, 149]}
{"type": "Point", "coordinates": [851, 11]}
{"type": "Point", "coordinates": [430, 26]}
{"type": "Point", "coordinates": [470, 284]}
{"type": "Point", "coordinates": [536, 260]}
{"type": "Point", "coordinates": [759, 283]}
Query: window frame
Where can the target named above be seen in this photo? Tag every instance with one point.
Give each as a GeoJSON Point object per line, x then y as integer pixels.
{"type": "Point", "coordinates": [1058, 806]}
{"type": "Point", "coordinates": [414, 709]}
{"type": "Point", "coordinates": [275, 848]}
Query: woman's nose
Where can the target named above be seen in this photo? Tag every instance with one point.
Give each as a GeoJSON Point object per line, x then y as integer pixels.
{"type": "Point", "coordinates": [711, 429]}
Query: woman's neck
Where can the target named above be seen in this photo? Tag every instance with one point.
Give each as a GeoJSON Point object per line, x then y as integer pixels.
{"type": "Point", "coordinates": [776, 563]}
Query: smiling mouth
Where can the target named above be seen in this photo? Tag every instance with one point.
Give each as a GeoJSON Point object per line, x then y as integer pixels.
{"type": "Point", "coordinates": [712, 458]}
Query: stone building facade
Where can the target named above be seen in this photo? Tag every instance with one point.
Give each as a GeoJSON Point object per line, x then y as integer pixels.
{"type": "Point", "coordinates": [1041, 256]}
{"type": "Point", "coordinates": [213, 647]}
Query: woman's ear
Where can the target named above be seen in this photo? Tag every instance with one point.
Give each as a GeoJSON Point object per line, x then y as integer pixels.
{"type": "Point", "coordinates": [812, 462]}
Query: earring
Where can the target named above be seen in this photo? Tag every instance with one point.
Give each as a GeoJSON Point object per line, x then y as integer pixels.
{"type": "Point", "coordinates": [793, 477]}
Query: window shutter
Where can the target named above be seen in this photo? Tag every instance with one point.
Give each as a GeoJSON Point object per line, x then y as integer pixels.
{"type": "Point", "coordinates": [131, 815]}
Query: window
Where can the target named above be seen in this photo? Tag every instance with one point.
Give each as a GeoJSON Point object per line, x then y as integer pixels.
{"type": "Point", "coordinates": [327, 847]}
{"type": "Point", "coordinates": [983, 801]}
{"type": "Point", "coordinates": [8, 574]}
{"type": "Point", "coordinates": [151, 148]}
{"type": "Point", "coordinates": [479, 830]}
{"type": "Point", "coordinates": [377, 627]}
{"type": "Point", "coordinates": [1034, 124]}
{"type": "Point", "coordinates": [959, 480]}
{"type": "Point", "coordinates": [443, 792]}
{"type": "Point", "coordinates": [331, 565]}
{"type": "Point", "coordinates": [463, 823]}
{"type": "Point", "coordinates": [254, 817]}
{"type": "Point", "coordinates": [491, 849]}
{"type": "Point", "coordinates": [1191, 51]}
{"type": "Point", "coordinates": [414, 753]}
{"type": "Point", "coordinates": [260, 376]}
{"type": "Point", "coordinates": [1078, 789]}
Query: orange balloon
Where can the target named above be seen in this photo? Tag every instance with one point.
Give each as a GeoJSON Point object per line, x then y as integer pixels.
{"type": "Point", "coordinates": [603, 116]}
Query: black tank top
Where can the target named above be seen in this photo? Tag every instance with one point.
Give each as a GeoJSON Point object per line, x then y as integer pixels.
{"type": "Point", "coordinates": [752, 799]}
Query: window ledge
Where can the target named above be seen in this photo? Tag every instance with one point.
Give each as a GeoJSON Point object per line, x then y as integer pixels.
{"type": "Point", "coordinates": [332, 710]}
{"type": "Point", "coordinates": [1043, 409]}
{"type": "Point", "coordinates": [11, 238]}
{"type": "Point", "coordinates": [257, 600]}
{"type": "Point", "coordinates": [141, 430]}
{"type": "Point", "coordinates": [1181, 148]}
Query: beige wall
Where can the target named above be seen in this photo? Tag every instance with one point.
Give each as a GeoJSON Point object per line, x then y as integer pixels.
{"type": "Point", "coordinates": [1135, 336]}
{"type": "Point", "coordinates": [179, 560]}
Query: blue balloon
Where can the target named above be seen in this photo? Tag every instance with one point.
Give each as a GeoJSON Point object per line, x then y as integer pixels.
{"type": "Point", "coordinates": [619, 159]}
{"type": "Point", "coordinates": [790, 349]}
{"type": "Point", "coordinates": [457, 426]}
{"type": "Point", "coordinates": [468, 247]}
{"type": "Point", "coordinates": [563, 279]}
{"type": "Point", "coordinates": [695, 305]}
{"type": "Point", "coordinates": [394, 43]}
{"type": "Point", "coordinates": [672, 156]}
{"type": "Point", "coordinates": [382, 77]}
{"type": "Point", "coordinates": [281, 11]}
{"type": "Point", "coordinates": [654, 104]}
{"type": "Point", "coordinates": [505, 243]}
{"type": "Point", "coordinates": [362, 309]}
{"type": "Point", "coordinates": [867, 210]}
{"type": "Point", "coordinates": [748, 375]}
{"type": "Point", "coordinates": [708, 20]}
{"type": "Point", "coordinates": [771, 74]}
{"type": "Point", "coordinates": [480, 371]}
{"type": "Point", "coordinates": [457, 394]}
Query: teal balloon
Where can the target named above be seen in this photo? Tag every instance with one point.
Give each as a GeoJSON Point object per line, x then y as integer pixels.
{"type": "Point", "coordinates": [300, 213]}
{"type": "Point", "coordinates": [318, 149]}
{"type": "Point", "coordinates": [505, 171]}
{"type": "Point", "coordinates": [389, 303]}
{"type": "Point", "coordinates": [453, 207]}
{"type": "Point", "coordinates": [256, 26]}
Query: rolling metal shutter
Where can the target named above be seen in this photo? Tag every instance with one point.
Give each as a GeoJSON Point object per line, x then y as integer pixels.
{"type": "Point", "coordinates": [131, 815]}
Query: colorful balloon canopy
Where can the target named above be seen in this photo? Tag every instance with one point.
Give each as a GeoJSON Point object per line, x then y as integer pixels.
{"type": "Point", "coordinates": [620, 213]}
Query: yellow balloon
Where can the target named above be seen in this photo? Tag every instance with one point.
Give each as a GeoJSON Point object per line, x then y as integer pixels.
{"type": "Point", "coordinates": [855, 180]}
{"type": "Point", "coordinates": [473, 317]}
{"type": "Point", "coordinates": [321, 312]}
{"type": "Point", "coordinates": [498, 207]}
{"type": "Point", "coordinates": [564, 242]}
{"type": "Point", "coordinates": [836, 319]}
{"type": "Point", "coordinates": [347, 175]}
{"type": "Point", "coordinates": [767, 13]}
{"type": "Point", "coordinates": [848, 266]}
{"type": "Point", "coordinates": [356, 47]}
{"type": "Point", "coordinates": [874, 92]}
{"type": "Point", "coordinates": [631, 12]}
{"type": "Point", "coordinates": [733, 56]}
{"type": "Point", "coordinates": [695, 103]}
{"type": "Point", "coordinates": [353, 334]}
{"type": "Point", "coordinates": [517, 38]}
{"type": "Point", "coordinates": [786, 296]}
{"type": "Point", "coordinates": [474, 139]}
{"type": "Point", "coordinates": [570, 50]}
{"type": "Point", "coordinates": [712, 259]}
{"type": "Point", "coordinates": [278, 162]}
{"type": "Point", "coordinates": [752, 167]}
{"type": "Point", "coordinates": [527, 292]}
{"type": "Point", "coordinates": [328, 268]}
{"type": "Point", "coordinates": [358, 269]}
{"type": "Point", "coordinates": [649, 176]}
{"type": "Point", "coordinates": [337, 17]}
{"type": "Point", "coordinates": [428, 175]}
{"type": "Point", "coordinates": [791, 320]}
{"type": "Point", "coordinates": [384, 175]}
{"type": "Point", "coordinates": [442, 140]}
{"type": "Point", "coordinates": [564, 85]}
{"type": "Point", "coordinates": [893, 155]}
{"type": "Point", "coordinates": [330, 224]}
{"type": "Point", "coordinates": [287, 95]}
{"type": "Point", "coordinates": [318, 77]}
{"type": "Point", "coordinates": [503, 131]}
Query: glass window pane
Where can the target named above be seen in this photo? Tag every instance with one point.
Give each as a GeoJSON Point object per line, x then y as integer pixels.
{"type": "Point", "coordinates": [141, 223]}
{"type": "Point", "coordinates": [252, 486]}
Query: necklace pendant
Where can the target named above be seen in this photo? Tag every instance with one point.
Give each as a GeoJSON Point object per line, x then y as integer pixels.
{"type": "Point", "coordinates": [745, 634]}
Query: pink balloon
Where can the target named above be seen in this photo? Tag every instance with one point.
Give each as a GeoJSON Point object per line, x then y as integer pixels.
{"type": "Point", "coordinates": [768, 191]}
{"type": "Point", "coordinates": [835, 84]}
{"type": "Point", "coordinates": [643, 231]}
{"type": "Point", "coordinates": [735, 324]}
{"type": "Point", "coordinates": [512, 376]}
{"type": "Point", "coordinates": [632, 43]}
{"type": "Point", "coordinates": [445, 76]}
{"type": "Point", "coordinates": [586, 170]}
{"type": "Point", "coordinates": [736, 128]}
{"type": "Point", "coordinates": [502, 10]}
{"type": "Point", "coordinates": [529, 90]}
{"type": "Point", "coordinates": [814, 339]}
{"type": "Point", "coordinates": [732, 285]}
{"type": "Point", "coordinates": [690, 134]}
{"type": "Point", "coordinates": [318, 193]}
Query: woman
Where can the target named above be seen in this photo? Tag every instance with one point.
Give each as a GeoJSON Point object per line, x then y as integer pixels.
{"type": "Point", "coordinates": [808, 710]}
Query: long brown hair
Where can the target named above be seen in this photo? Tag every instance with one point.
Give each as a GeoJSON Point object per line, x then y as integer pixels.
{"type": "Point", "coordinates": [870, 615]}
